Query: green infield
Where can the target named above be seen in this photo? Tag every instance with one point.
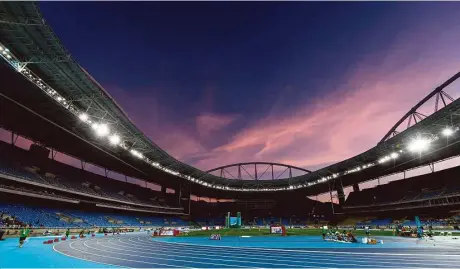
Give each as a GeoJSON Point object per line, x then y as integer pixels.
{"type": "Point", "coordinates": [266, 232]}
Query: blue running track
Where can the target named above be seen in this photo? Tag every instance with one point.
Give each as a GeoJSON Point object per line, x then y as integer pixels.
{"type": "Point", "coordinates": [140, 251]}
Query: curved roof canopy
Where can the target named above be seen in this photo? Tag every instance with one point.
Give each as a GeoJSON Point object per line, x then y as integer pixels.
{"type": "Point", "coordinates": [30, 47]}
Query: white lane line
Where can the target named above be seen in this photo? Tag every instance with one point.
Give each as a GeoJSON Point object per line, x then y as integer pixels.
{"type": "Point", "coordinates": [156, 251]}
{"type": "Point", "coordinates": [216, 257]}
{"type": "Point", "coordinates": [317, 251]}
{"type": "Point", "coordinates": [386, 260]}
{"type": "Point", "coordinates": [256, 256]}
{"type": "Point", "coordinates": [147, 257]}
{"type": "Point", "coordinates": [295, 254]}
{"type": "Point", "coordinates": [111, 257]}
{"type": "Point", "coordinates": [80, 258]}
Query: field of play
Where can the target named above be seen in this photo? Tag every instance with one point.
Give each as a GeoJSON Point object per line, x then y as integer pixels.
{"type": "Point", "coordinates": [139, 250]}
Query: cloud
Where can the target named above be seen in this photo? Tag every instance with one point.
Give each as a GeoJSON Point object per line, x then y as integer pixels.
{"type": "Point", "coordinates": [352, 118]}
{"type": "Point", "coordinates": [208, 123]}
{"type": "Point", "coordinates": [374, 93]}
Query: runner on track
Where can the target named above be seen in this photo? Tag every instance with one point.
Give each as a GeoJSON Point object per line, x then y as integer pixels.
{"type": "Point", "coordinates": [23, 234]}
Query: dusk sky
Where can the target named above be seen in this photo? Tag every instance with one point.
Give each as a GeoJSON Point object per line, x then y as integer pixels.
{"type": "Point", "coordinates": [306, 84]}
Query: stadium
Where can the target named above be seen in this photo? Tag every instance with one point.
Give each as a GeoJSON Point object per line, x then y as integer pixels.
{"type": "Point", "coordinates": [248, 214]}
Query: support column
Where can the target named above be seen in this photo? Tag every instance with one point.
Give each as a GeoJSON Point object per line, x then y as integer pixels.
{"type": "Point", "coordinates": [341, 194]}
{"type": "Point", "coordinates": [356, 187]}
{"type": "Point", "coordinates": [332, 200]}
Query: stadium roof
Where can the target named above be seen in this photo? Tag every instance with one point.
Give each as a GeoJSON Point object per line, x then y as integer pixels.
{"type": "Point", "coordinates": [64, 97]}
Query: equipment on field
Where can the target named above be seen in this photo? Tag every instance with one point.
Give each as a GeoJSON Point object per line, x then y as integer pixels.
{"type": "Point", "coordinates": [215, 237]}
{"type": "Point", "coordinates": [278, 229]}
{"type": "Point", "coordinates": [233, 222]}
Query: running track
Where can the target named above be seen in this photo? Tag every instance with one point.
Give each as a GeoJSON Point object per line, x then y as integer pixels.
{"type": "Point", "coordinates": [142, 252]}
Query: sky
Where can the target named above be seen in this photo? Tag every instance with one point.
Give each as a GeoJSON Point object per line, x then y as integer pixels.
{"type": "Point", "coordinates": [301, 83]}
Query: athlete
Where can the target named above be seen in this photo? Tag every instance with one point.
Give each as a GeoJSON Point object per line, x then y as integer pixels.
{"type": "Point", "coordinates": [23, 234]}
{"type": "Point", "coordinates": [324, 231]}
{"type": "Point", "coordinates": [67, 232]}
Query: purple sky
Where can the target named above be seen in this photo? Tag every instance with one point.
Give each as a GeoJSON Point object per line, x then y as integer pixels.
{"type": "Point", "coordinates": [305, 84]}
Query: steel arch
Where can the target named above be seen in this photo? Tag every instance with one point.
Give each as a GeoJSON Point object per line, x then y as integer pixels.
{"type": "Point", "coordinates": [438, 93]}
{"type": "Point", "coordinates": [256, 176]}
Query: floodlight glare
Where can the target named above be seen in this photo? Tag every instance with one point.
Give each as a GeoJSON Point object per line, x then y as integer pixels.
{"type": "Point", "coordinates": [137, 154]}
{"type": "Point", "coordinates": [418, 145]}
{"type": "Point", "coordinates": [114, 139]}
{"type": "Point", "coordinates": [83, 116]}
{"type": "Point", "coordinates": [101, 129]}
{"type": "Point", "coordinates": [394, 155]}
{"type": "Point", "coordinates": [447, 131]}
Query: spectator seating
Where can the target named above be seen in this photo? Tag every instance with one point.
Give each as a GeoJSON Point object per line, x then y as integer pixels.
{"type": "Point", "coordinates": [16, 164]}
{"type": "Point", "coordinates": [47, 217]}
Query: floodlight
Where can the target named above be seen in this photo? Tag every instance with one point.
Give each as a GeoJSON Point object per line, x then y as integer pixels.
{"type": "Point", "coordinates": [447, 131]}
{"type": "Point", "coordinates": [418, 145]}
{"type": "Point", "coordinates": [101, 129]}
{"type": "Point", "coordinates": [4, 52]}
{"type": "Point", "coordinates": [8, 56]}
{"type": "Point", "coordinates": [394, 155]}
{"type": "Point", "coordinates": [1, 48]}
{"type": "Point", "coordinates": [137, 154]}
{"type": "Point", "coordinates": [83, 116]}
{"type": "Point", "coordinates": [114, 139]}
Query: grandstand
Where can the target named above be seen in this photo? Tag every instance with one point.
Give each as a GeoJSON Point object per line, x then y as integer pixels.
{"type": "Point", "coordinates": [84, 122]}
{"type": "Point", "coordinates": [61, 108]}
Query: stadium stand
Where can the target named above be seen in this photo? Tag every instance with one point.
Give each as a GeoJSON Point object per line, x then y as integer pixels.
{"type": "Point", "coordinates": [19, 171]}
{"type": "Point", "coordinates": [428, 190]}
{"type": "Point", "coordinates": [40, 217]}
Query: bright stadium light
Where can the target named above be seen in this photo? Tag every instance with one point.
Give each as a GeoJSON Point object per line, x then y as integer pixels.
{"type": "Point", "coordinates": [137, 154]}
{"type": "Point", "coordinates": [83, 117]}
{"type": "Point", "coordinates": [447, 132]}
{"type": "Point", "coordinates": [394, 155]}
{"type": "Point", "coordinates": [101, 129]}
{"type": "Point", "coordinates": [418, 145]}
{"type": "Point", "coordinates": [114, 139]}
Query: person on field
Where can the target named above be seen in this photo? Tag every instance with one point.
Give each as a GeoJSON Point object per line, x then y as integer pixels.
{"type": "Point", "coordinates": [23, 234]}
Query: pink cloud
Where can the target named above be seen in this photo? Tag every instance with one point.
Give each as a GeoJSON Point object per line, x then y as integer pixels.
{"type": "Point", "coordinates": [339, 124]}
{"type": "Point", "coordinates": [353, 117]}
{"type": "Point", "coordinates": [208, 123]}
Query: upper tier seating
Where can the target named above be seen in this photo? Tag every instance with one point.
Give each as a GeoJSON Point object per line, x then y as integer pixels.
{"type": "Point", "coordinates": [20, 164]}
